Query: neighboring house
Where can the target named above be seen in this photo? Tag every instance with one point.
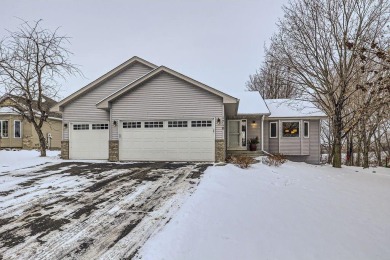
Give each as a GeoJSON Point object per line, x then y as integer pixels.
{"type": "Point", "coordinates": [16, 132]}
{"type": "Point", "coordinates": [142, 112]}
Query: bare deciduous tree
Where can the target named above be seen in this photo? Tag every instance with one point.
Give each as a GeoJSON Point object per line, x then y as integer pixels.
{"type": "Point", "coordinates": [32, 60]}
{"type": "Point", "coordinates": [320, 42]}
{"type": "Point", "coordinates": [272, 80]}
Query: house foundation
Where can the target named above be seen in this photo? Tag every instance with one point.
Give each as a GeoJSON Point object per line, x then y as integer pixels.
{"type": "Point", "coordinates": [220, 151]}
{"type": "Point", "coordinates": [65, 150]}
{"type": "Point", "coordinates": [113, 150]}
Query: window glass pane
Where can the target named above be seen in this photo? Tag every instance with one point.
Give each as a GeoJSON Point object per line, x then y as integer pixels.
{"type": "Point", "coordinates": [131, 124]}
{"type": "Point", "coordinates": [4, 129]}
{"type": "Point", "coordinates": [177, 124]}
{"type": "Point", "coordinates": [290, 129]}
{"type": "Point", "coordinates": [306, 129]}
{"type": "Point", "coordinates": [17, 133]}
{"type": "Point", "coordinates": [273, 129]}
{"type": "Point", "coordinates": [157, 124]}
{"type": "Point", "coordinates": [99, 126]}
{"type": "Point", "coordinates": [81, 127]}
{"type": "Point", "coordinates": [204, 123]}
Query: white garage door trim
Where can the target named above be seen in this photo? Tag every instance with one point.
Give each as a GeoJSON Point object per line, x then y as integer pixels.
{"type": "Point", "coordinates": [167, 140]}
{"type": "Point", "coordinates": [88, 140]}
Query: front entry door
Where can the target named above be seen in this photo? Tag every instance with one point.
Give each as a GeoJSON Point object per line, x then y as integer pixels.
{"type": "Point", "coordinates": [237, 134]}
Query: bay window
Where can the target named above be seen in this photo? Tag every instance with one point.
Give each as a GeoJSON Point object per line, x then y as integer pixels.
{"type": "Point", "coordinates": [290, 129]}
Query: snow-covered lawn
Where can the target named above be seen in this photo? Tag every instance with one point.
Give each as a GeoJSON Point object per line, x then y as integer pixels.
{"type": "Point", "coordinates": [12, 160]}
{"type": "Point", "coordinates": [296, 211]}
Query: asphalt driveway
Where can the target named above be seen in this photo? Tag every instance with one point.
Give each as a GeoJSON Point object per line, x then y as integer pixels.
{"type": "Point", "coordinates": [78, 210]}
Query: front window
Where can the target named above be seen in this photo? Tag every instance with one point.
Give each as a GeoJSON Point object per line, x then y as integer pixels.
{"type": "Point", "coordinates": [17, 129]}
{"type": "Point", "coordinates": [290, 129]}
{"type": "Point", "coordinates": [4, 129]}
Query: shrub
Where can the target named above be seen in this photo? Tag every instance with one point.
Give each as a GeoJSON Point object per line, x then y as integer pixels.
{"type": "Point", "coordinates": [241, 161]}
{"type": "Point", "coordinates": [276, 159]}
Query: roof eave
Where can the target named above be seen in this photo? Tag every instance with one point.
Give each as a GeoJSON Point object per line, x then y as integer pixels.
{"type": "Point", "coordinates": [253, 114]}
{"type": "Point", "coordinates": [298, 117]}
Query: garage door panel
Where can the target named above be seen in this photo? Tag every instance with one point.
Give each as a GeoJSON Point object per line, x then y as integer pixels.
{"type": "Point", "coordinates": [167, 144]}
{"type": "Point", "coordinates": [88, 143]}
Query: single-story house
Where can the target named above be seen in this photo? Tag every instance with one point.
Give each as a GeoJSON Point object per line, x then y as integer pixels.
{"type": "Point", "coordinates": [17, 133]}
{"type": "Point", "coordinates": [142, 112]}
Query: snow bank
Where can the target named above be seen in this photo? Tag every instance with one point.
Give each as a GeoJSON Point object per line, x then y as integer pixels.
{"type": "Point", "coordinates": [296, 211]}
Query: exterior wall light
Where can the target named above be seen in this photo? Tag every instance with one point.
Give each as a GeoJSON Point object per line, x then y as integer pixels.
{"type": "Point", "coordinates": [218, 121]}
{"type": "Point", "coordinates": [66, 125]}
{"type": "Point", "coordinates": [115, 123]}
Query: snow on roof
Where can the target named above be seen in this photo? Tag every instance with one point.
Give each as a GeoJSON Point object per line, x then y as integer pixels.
{"type": "Point", "coordinates": [7, 110]}
{"type": "Point", "coordinates": [251, 102]}
{"type": "Point", "coordinates": [292, 108]}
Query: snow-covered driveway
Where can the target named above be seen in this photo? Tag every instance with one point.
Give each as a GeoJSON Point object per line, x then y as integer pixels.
{"type": "Point", "coordinates": [85, 210]}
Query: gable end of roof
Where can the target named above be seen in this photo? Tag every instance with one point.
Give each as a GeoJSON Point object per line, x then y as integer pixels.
{"type": "Point", "coordinates": [105, 103]}
{"type": "Point", "coordinates": [111, 73]}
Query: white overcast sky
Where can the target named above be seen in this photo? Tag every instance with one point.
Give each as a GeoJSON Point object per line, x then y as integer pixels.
{"type": "Point", "coordinates": [219, 43]}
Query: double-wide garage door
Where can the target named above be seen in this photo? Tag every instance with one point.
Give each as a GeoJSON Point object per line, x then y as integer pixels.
{"type": "Point", "coordinates": [88, 141]}
{"type": "Point", "coordinates": [167, 140]}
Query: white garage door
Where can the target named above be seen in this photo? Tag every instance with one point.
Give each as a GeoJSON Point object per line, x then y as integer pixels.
{"type": "Point", "coordinates": [167, 140]}
{"type": "Point", "coordinates": [88, 141]}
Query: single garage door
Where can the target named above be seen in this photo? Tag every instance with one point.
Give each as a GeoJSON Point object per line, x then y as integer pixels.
{"type": "Point", "coordinates": [167, 140]}
{"type": "Point", "coordinates": [88, 141]}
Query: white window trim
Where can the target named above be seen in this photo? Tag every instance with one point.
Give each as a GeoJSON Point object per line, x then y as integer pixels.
{"type": "Point", "coordinates": [308, 129]}
{"type": "Point", "coordinates": [1, 129]}
{"type": "Point", "coordinates": [20, 130]}
{"type": "Point", "coordinates": [270, 132]}
{"type": "Point", "coordinates": [290, 121]}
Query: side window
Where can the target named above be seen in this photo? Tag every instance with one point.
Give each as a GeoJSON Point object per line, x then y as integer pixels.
{"type": "Point", "coordinates": [273, 133]}
{"type": "Point", "coordinates": [17, 129]}
{"type": "Point", "coordinates": [306, 129]}
{"type": "Point", "coordinates": [4, 129]}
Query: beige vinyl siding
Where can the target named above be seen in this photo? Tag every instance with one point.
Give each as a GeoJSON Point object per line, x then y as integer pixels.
{"type": "Point", "coordinates": [54, 128]}
{"type": "Point", "coordinates": [29, 136]}
{"type": "Point", "coordinates": [83, 109]}
{"type": "Point", "coordinates": [167, 97]}
{"type": "Point", "coordinates": [10, 141]}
